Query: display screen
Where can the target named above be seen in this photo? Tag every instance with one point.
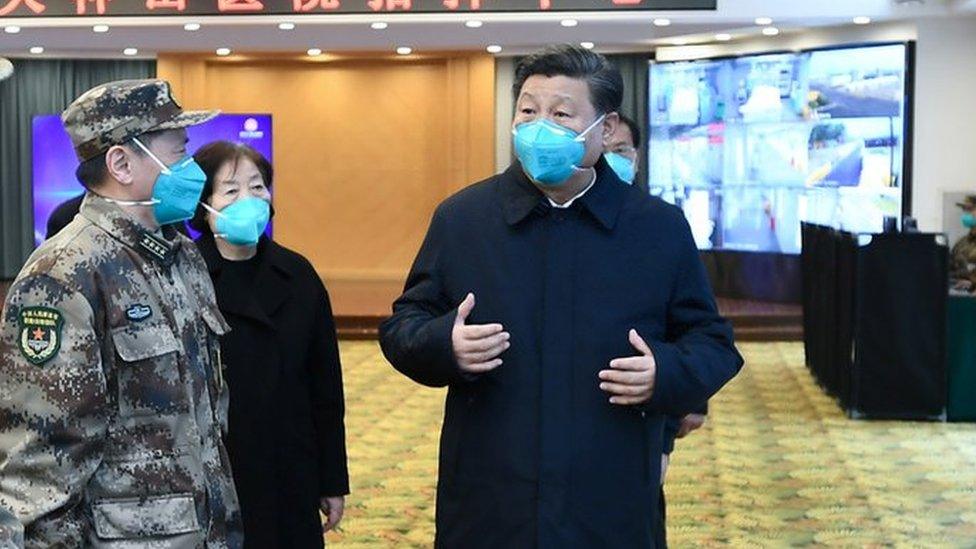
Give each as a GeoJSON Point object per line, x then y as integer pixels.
{"type": "Point", "coordinates": [748, 147]}
{"type": "Point", "coordinates": [54, 160]}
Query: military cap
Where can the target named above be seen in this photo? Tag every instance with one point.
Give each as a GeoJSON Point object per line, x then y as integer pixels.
{"type": "Point", "coordinates": [113, 113]}
{"type": "Point", "coordinates": [968, 203]}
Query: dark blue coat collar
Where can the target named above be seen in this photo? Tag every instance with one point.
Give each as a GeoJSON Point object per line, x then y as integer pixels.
{"type": "Point", "coordinates": [603, 201]}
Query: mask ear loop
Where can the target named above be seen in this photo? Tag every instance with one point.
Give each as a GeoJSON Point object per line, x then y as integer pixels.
{"type": "Point", "coordinates": [216, 212]}
{"type": "Point", "coordinates": [146, 150]}
{"type": "Point", "coordinates": [582, 137]}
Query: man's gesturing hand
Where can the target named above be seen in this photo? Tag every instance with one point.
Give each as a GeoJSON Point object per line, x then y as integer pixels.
{"type": "Point", "coordinates": [477, 346]}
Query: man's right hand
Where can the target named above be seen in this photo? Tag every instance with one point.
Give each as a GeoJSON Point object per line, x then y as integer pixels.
{"type": "Point", "coordinates": [477, 346]}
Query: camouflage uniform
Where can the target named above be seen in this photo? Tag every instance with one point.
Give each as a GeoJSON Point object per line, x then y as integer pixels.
{"type": "Point", "coordinates": [962, 259]}
{"type": "Point", "coordinates": [112, 398]}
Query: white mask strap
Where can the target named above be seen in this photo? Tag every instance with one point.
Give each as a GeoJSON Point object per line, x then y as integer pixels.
{"type": "Point", "coordinates": [582, 134]}
{"type": "Point", "coordinates": [151, 155]}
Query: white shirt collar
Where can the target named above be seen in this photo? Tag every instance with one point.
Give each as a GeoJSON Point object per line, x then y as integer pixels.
{"type": "Point", "coordinates": [569, 202]}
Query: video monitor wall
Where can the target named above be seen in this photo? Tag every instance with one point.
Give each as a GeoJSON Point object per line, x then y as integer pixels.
{"type": "Point", "coordinates": [750, 146]}
{"type": "Point", "coordinates": [54, 160]}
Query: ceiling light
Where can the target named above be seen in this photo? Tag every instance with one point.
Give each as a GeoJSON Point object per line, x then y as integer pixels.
{"type": "Point", "coordinates": [770, 31]}
{"type": "Point", "coordinates": [569, 22]}
{"type": "Point", "coordinates": [494, 48]}
{"type": "Point", "coordinates": [662, 22]}
{"type": "Point", "coordinates": [37, 50]}
{"type": "Point", "coordinates": [313, 52]}
{"type": "Point", "coordinates": [223, 52]}
{"type": "Point", "coordinates": [100, 29]}
{"type": "Point", "coordinates": [379, 25]}
{"type": "Point", "coordinates": [286, 26]}
{"type": "Point", "coordinates": [862, 20]}
{"type": "Point", "coordinates": [723, 37]}
{"type": "Point", "coordinates": [473, 24]}
{"type": "Point", "coordinates": [130, 51]}
{"type": "Point", "coordinates": [11, 29]}
{"type": "Point", "coordinates": [587, 45]}
{"type": "Point", "coordinates": [404, 50]}
{"type": "Point", "coordinates": [191, 27]}
{"type": "Point", "coordinates": [764, 21]}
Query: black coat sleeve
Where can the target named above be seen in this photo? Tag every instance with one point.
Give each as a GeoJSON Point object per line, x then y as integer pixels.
{"type": "Point", "coordinates": [328, 402]}
{"type": "Point", "coordinates": [416, 339]}
{"type": "Point", "coordinates": [698, 355]}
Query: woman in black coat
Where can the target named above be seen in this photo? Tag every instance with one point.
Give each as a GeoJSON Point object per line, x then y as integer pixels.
{"type": "Point", "coordinates": [286, 436]}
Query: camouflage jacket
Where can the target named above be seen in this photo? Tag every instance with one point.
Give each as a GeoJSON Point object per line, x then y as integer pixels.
{"type": "Point", "coordinates": [112, 400]}
{"type": "Point", "coordinates": [962, 260]}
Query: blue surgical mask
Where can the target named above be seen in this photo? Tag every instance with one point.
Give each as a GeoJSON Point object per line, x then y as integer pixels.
{"type": "Point", "coordinates": [177, 189]}
{"type": "Point", "coordinates": [622, 166]}
{"type": "Point", "coordinates": [242, 222]}
{"type": "Point", "coordinates": [550, 153]}
{"type": "Point", "coordinates": [968, 220]}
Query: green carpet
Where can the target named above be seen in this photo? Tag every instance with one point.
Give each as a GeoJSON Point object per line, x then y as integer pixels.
{"type": "Point", "coordinates": [777, 465]}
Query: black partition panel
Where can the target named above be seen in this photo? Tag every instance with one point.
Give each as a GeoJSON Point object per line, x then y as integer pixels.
{"type": "Point", "coordinates": [900, 358]}
{"type": "Point", "coordinates": [874, 320]}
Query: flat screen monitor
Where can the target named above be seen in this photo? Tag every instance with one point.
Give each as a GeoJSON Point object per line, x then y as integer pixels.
{"type": "Point", "coordinates": [751, 146]}
{"type": "Point", "coordinates": [54, 160]}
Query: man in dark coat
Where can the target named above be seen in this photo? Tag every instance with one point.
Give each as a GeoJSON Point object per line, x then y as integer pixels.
{"type": "Point", "coordinates": [568, 313]}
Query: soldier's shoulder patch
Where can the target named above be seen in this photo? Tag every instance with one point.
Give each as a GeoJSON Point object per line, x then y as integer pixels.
{"type": "Point", "coordinates": [40, 333]}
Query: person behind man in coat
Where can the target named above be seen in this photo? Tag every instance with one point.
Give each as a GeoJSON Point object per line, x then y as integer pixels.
{"type": "Point", "coordinates": [621, 153]}
{"type": "Point", "coordinates": [286, 434]}
{"type": "Point", "coordinates": [567, 313]}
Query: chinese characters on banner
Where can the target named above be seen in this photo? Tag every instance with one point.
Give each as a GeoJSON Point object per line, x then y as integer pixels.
{"type": "Point", "coordinates": [68, 8]}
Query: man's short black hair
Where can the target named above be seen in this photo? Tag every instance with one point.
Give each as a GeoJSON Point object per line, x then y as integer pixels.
{"type": "Point", "coordinates": [604, 80]}
{"type": "Point", "coordinates": [92, 172]}
{"type": "Point", "coordinates": [635, 132]}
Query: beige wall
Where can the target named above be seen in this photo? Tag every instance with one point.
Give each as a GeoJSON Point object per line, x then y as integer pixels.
{"type": "Point", "coordinates": [364, 150]}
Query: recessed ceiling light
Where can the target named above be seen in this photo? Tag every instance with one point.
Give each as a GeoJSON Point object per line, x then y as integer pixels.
{"type": "Point", "coordinates": [764, 21]}
{"type": "Point", "coordinates": [100, 28]}
{"type": "Point", "coordinates": [130, 51]}
{"type": "Point", "coordinates": [37, 50]}
{"type": "Point", "coordinates": [379, 25]}
{"type": "Point", "coordinates": [191, 27]}
{"type": "Point", "coordinates": [11, 29]}
{"type": "Point", "coordinates": [473, 24]}
{"type": "Point", "coordinates": [862, 20]}
{"type": "Point", "coordinates": [587, 45]}
{"type": "Point", "coordinates": [223, 52]}
{"type": "Point", "coordinates": [569, 22]}
{"type": "Point", "coordinates": [662, 22]}
{"type": "Point", "coordinates": [404, 50]}
{"type": "Point", "coordinates": [312, 52]}
{"type": "Point", "coordinates": [723, 37]}
{"type": "Point", "coordinates": [770, 31]}
{"type": "Point", "coordinates": [286, 26]}
{"type": "Point", "coordinates": [494, 48]}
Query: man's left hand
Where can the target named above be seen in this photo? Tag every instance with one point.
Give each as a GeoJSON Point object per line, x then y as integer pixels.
{"type": "Point", "coordinates": [332, 508]}
{"type": "Point", "coordinates": [631, 380]}
{"type": "Point", "coordinates": [689, 423]}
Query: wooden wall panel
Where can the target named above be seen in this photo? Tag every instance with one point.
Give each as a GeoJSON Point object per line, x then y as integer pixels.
{"type": "Point", "coordinates": [364, 150]}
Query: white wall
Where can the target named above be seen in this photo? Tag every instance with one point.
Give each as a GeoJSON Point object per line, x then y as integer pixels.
{"type": "Point", "coordinates": [945, 115]}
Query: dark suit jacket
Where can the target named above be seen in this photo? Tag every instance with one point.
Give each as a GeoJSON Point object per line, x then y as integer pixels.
{"type": "Point", "coordinates": [533, 454]}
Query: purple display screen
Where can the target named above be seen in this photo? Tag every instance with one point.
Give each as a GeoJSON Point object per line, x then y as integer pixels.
{"type": "Point", "coordinates": [55, 162]}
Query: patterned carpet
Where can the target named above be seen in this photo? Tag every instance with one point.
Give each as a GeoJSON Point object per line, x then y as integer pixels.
{"type": "Point", "coordinates": [777, 465]}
